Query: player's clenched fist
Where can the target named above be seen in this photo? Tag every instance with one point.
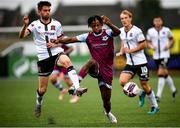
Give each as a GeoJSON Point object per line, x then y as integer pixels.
{"type": "Point", "coordinates": [26, 20]}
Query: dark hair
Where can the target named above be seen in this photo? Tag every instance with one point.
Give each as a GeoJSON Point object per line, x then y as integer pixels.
{"type": "Point", "coordinates": [93, 18]}
{"type": "Point", "coordinates": [43, 3]}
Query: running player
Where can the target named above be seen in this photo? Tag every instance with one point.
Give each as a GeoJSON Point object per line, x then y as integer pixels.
{"type": "Point", "coordinates": [43, 30]}
{"type": "Point", "coordinates": [100, 44]}
{"type": "Point", "coordinates": [160, 39]}
{"type": "Point", "coordinates": [133, 44]}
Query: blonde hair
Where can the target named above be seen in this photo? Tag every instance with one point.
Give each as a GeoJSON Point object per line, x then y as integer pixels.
{"type": "Point", "coordinates": [126, 12]}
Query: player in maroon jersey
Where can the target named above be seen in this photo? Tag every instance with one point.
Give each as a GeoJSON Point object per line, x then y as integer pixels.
{"type": "Point", "coordinates": [100, 44]}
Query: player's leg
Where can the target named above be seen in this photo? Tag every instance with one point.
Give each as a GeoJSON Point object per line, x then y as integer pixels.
{"type": "Point", "coordinates": [170, 83]}
{"type": "Point", "coordinates": [125, 76]}
{"type": "Point", "coordinates": [106, 96]}
{"type": "Point", "coordinates": [65, 61]}
{"type": "Point", "coordinates": [161, 82]}
{"type": "Point", "coordinates": [143, 74]}
{"type": "Point", "coordinates": [91, 67]}
{"type": "Point", "coordinates": [43, 83]}
{"type": "Point", "coordinates": [67, 80]}
{"type": "Point", "coordinates": [45, 67]}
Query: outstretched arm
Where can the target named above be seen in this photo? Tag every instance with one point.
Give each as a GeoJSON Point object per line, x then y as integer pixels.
{"type": "Point", "coordinates": [24, 32]}
{"type": "Point", "coordinates": [66, 40]}
{"type": "Point", "coordinates": [113, 27]}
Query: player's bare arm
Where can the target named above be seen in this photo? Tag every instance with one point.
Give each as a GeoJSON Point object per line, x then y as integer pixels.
{"type": "Point", "coordinates": [121, 52]}
{"type": "Point", "coordinates": [66, 40]}
{"type": "Point", "coordinates": [169, 44]}
{"type": "Point", "coordinates": [114, 28]}
{"type": "Point", "coordinates": [141, 46]}
{"type": "Point", "coordinates": [150, 45]}
{"type": "Point", "coordinates": [24, 32]}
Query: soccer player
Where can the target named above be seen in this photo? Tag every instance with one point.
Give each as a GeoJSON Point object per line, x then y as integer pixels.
{"type": "Point", "coordinates": [133, 44]}
{"type": "Point", "coordinates": [100, 44]}
{"type": "Point", "coordinates": [160, 39]}
{"type": "Point", "coordinates": [60, 74]}
{"type": "Point", "coordinates": [44, 29]}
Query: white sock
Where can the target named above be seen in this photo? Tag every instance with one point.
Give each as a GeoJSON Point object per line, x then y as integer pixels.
{"type": "Point", "coordinates": [170, 82]}
{"type": "Point", "coordinates": [58, 85]}
{"type": "Point", "coordinates": [152, 99]}
{"type": "Point", "coordinates": [74, 78]}
{"type": "Point", "coordinates": [161, 83]}
{"type": "Point", "coordinates": [139, 91]}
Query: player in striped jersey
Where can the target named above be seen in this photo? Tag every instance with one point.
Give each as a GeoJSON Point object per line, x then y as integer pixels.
{"type": "Point", "coordinates": [160, 39]}
{"type": "Point", "coordinates": [133, 44]}
{"type": "Point", "coordinates": [45, 29]}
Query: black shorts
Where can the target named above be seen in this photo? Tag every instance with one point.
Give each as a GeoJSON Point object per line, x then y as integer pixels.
{"type": "Point", "coordinates": [141, 70]}
{"type": "Point", "coordinates": [161, 62]}
{"type": "Point", "coordinates": [46, 66]}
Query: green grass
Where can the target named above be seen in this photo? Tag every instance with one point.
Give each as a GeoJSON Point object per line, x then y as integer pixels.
{"type": "Point", "coordinates": [17, 99]}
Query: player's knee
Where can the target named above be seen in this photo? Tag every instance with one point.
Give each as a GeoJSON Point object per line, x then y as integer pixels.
{"type": "Point", "coordinates": [122, 81]}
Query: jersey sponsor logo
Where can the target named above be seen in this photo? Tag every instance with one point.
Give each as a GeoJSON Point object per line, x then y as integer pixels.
{"type": "Point", "coordinates": [49, 33]}
{"type": "Point", "coordinates": [39, 27]}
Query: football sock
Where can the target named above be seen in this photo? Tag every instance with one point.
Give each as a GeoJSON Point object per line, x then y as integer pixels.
{"type": "Point", "coordinates": [170, 82]}
{"type": "Point", "coordinates": [152, 99]}
{"type": "Point", "coordinates": [58, 85]}
{"type": "Point", "coordinates": [139, 91]}
{"type": "Point", "coordinates": [73, 76]}
{"type": "Point", "coordinates": [82, 73]}
{"type": "Point", "coordinates": [161, 83]}
{"type": "Point", "coordinates": [39, 98]}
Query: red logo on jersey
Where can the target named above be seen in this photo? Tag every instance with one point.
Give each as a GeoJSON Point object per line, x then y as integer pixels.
{"type": "Point", "coordinates": [52, 27]}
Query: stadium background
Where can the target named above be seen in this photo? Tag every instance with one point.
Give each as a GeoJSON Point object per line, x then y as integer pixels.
{"type": "Point", "coordinates": [18, 70]}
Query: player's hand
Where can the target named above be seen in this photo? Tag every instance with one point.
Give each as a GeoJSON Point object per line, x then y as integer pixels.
{"type": "Point", "coordinates": [166, 47]}
{"type": "Point", "coordinates": [119, 53]}
{"type": "Point", "coordinates": [26, 20]}
{"type": "Point", "coordinates": [105, 19]}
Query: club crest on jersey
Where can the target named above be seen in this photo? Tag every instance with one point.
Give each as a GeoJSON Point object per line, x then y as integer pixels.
{"type": "Point", "coordinates": [52, 27]}
{"type": "Point", "coordinates": [104, 38]}
{"type": "Point", "coordinates": [163, 33]}
{"type": "Point", "coordinates": [131, 35]}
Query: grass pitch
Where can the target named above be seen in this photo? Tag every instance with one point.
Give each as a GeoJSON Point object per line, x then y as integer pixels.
{"type": "Point", "coordinates": [17, 100]}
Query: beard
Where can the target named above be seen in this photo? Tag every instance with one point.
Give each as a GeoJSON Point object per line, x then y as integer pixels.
{"type": "Point", "coordinates": [45, 17]}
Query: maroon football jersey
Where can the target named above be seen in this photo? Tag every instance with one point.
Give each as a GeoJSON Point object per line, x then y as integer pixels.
{"type": "Point", "coordinates": [102, 50]}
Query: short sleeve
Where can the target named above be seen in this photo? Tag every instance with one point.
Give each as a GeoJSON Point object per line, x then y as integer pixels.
{"type": "Point", "coordinates": [169, 33]}
{"type": "Point", "coordinates": [59, 30]}
{"type": "Point", "coordinates": [140, 36]}
{"type": "Point", "coordinates": [82, 37]}
{"type": "Point", "coordinates": [148, 36]}
{"type": "Point", "coordinates": [109, 32]}
{"type": "Point", "coordinates": [31, 27]}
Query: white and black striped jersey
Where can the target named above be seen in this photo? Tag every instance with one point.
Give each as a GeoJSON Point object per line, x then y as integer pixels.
{"type": "Point", "coordinates": [42, 34]}
{"type": "Point", "coordinates": [159, 39]}
{"type": "Point", "coordinates": [131, 39]}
